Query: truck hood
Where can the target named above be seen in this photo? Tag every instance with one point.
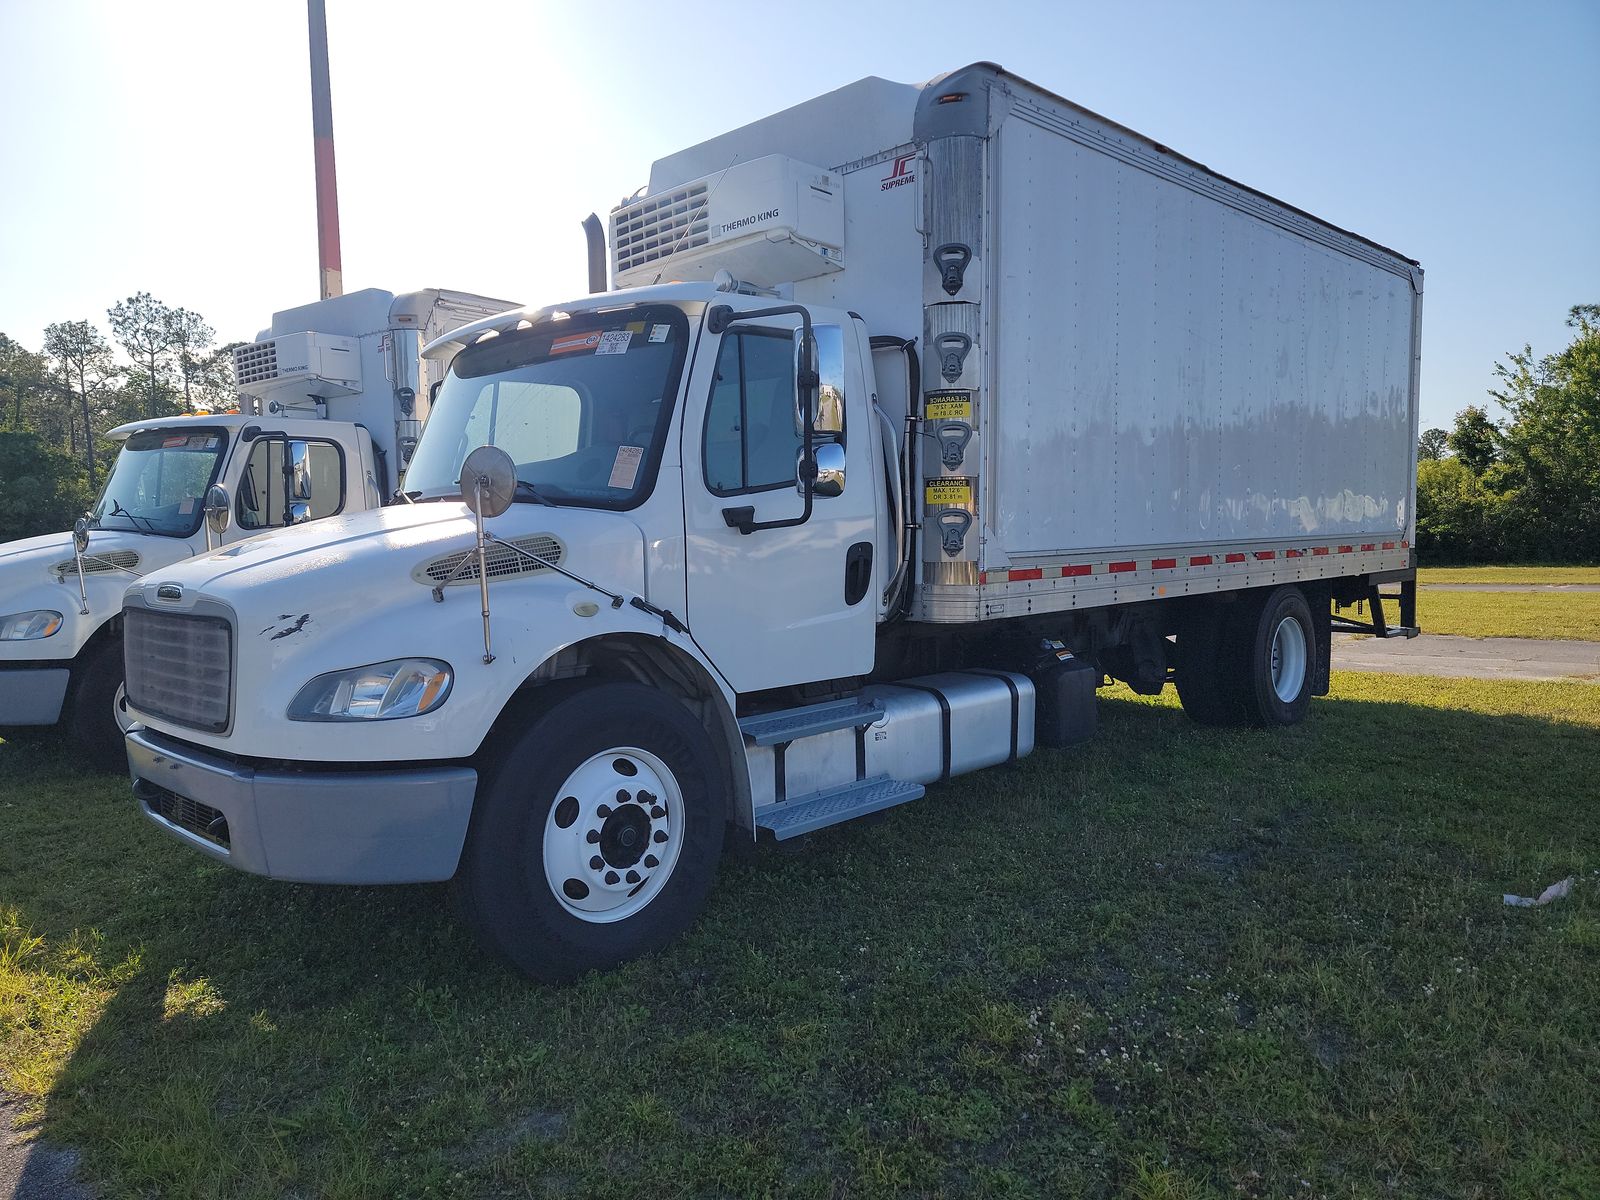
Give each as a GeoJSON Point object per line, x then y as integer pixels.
{"type": "Point", "coordinates": [31, 561]}
{"type": "Point", "coordinates": [348, 562]}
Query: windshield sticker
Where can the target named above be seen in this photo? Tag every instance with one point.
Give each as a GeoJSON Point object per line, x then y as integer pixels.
{"type": "Point", "coordinates": [575, 341]}
{"type": "Point", "coordinates": [181, 439]}
{"type": "Point", "coordinates": [186, 506]}
{"type": "Point", "coordinates": [658, 333]}
{"type": "Point", "coordinates": [614, 341]}
{"type": "Point", "coordinates": [626, 467]}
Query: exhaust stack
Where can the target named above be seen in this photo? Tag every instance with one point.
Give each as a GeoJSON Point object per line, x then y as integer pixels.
{"type": "Point", "coordinates": [330, 272]}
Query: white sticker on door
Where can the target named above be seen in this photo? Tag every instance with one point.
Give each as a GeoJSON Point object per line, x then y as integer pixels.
{"type": "Point", "coordinates": [614, 341]}
{"type": "Point", "coordinates": [626, 467]}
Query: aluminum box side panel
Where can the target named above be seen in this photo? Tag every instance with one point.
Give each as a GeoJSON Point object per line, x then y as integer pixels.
{"type": "Point", "coordinates": [1173, 369]}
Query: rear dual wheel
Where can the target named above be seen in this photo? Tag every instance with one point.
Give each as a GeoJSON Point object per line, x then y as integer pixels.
{"type": "Point", "coordinates": [1249, 663]}
{"type": "Point", "coordinates": [596, 833]}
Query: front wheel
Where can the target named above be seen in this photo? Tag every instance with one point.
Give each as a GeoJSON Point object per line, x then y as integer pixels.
{"type": "Point", "coordinates": [99, 716]}
{"type": "Point", "coordinates": [595, 834]}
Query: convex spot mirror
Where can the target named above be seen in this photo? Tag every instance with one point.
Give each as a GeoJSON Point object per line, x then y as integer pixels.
{"type": "Point", "coordinates": [80, 534]}
{"type": "Point", "coordinates": [219, 509]}
{"type": "Point", "coordinates": [827, 362]}
{"type": "Point", "coordinates": [828, 458]}
{"type": "Point", "coordinates": [488, 481]}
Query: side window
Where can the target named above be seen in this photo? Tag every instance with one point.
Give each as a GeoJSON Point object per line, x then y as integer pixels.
{"type": "Point", "coordinates": [750, 442]}
{"type": "Point", "coordinates": [260, 504]}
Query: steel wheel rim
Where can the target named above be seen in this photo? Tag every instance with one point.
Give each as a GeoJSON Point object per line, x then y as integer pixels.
{"type": "Point", "coordinates": [622, 836]}
{"type": "Point", "coordinates": [119, 709]}
{"type": "Point", "coordinates": [1288, 659]}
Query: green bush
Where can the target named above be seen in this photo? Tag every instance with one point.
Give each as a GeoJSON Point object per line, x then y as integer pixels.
{"type": "Point", "coordinates": [1458, 519]}
{"type": "Point", "coordinates": [41, 490]}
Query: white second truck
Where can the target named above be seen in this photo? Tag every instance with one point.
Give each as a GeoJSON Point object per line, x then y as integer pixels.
{"type": "Point", "coordinates": [914, 414]}
{"type": "Point", "coordinates": [332, 399]}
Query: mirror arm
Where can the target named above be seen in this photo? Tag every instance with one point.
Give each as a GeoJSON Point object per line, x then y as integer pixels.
{"type": "Point", "coordinates": [717, 321]}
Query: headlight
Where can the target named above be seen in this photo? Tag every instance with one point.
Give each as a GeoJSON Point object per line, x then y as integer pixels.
{"type": "Point", "coordinates": [401, 687]}
{"type": "Point", "coordinates": [29, 626]}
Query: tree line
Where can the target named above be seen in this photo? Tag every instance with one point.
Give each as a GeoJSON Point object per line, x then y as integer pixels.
{"type": "Point", "coordinates": [1524, 487]}
{"type": "Point", "coordinates": [56, 402]}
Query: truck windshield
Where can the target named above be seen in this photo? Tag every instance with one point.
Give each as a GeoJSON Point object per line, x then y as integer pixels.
{"type": "Point", "coordinates": [160, 481]}
{"type": "Point", "coordinates": [581, 406]}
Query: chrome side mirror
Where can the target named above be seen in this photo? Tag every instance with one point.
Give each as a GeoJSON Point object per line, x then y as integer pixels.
{"type": "Point", "coordinates": [80, 534]}
{"type": "Point", "coordinates": [828, 460]}
{"type": "Point", "coordinates": [299, 473]}
{"type": "Point", "coordinates": [827, 362]}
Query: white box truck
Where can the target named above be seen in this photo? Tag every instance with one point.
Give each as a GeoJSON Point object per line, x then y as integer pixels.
{"type": "Point", "coordinates": [914, 413]}
{"type": "Point", "coordinates": [331, 400]}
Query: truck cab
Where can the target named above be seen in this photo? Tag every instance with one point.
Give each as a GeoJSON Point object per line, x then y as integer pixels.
{"type": "Point", "coordinates": [332, 396]}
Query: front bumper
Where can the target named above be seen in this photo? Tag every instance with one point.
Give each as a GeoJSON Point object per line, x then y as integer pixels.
{"type": "Point", "coordinates": [32, 695]}
{"type": "Point", "coordinates": [403, 826]}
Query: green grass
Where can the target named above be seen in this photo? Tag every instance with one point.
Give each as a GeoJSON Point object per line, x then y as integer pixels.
{"type": "Point", "coordinates": [1172, 963]}
{"type": "Point", "coordinates": [1511, 614]}
{"type": "Point", "coordinates": [1508, 575]}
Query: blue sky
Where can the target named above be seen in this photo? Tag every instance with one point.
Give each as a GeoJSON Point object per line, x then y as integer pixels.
{"type": "Point", "coordinates": [166, 145]}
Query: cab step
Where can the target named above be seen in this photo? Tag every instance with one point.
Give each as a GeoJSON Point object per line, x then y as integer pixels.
{"type": "Point", "coordinates": [804, 814]}
{"type": "Point", "coordinates": [777, 728]}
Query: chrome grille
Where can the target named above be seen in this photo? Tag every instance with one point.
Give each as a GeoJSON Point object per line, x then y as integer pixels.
{"type": "Point", "coordinates": [498, 557]}
{"type": "Point", "coordinates": [657, 226]}
{"type": "Point", "coordinates": [180, 666]}
{"type": "Point", "coordinates": [99, 564]}
{"type": "Point", "coordinates": [255, 363]}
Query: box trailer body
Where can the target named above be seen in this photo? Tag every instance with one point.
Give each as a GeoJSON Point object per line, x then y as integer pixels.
{"type": "Point", "coordinates": [913, 414]}
{"type": "Point", "coordinates": [1153, 364]}
{"type": "Point", "coordinates": [345, 378]}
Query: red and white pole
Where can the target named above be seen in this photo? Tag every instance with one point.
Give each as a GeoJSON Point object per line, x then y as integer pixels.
{"type": "Point", "coordinates": [332, 274]}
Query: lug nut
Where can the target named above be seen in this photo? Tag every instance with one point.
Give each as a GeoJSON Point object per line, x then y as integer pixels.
{"type": "Point", "coordinates": [611, 876]}
{"type": "Point", "coordinates": [597, 862]}
{"type": "Point", "coordinates": [661, 835]}
{"type": "Point", "coordinates": [632, 877]}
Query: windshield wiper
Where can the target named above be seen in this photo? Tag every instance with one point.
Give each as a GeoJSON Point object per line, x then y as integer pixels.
{"type": "Point", "coordinates": [526, 491]}
{"type": "Point", "coordinates": [118, 511]}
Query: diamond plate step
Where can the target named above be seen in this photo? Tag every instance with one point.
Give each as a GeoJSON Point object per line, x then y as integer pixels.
{"type": "Point", "coordinates": [769, 729]}
{"type": "Point", "coordinates": [806, 813]}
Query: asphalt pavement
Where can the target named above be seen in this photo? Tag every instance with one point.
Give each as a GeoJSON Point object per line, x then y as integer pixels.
{"type": "Point", "coordinates": [1468, 658]}
{"type": "Point", "coordinates": [31, 1169]}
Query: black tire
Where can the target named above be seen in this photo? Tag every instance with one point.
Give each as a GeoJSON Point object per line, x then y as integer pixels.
{"type": "Point", "coordinates": [1264, 706]}
{"type": "Point", "coordinates": [92, 721]}
{"type": "Point", "coordinates": [501, 888]}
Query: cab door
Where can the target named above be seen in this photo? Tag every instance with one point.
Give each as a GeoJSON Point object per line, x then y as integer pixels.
{"type": "Point", "coordinates": [796, 604]}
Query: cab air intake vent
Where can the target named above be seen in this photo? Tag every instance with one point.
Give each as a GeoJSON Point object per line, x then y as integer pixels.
{"type": "Point", "coordinates": [502, 561]}
{"type": "Point", "coordinates": [99, 564]}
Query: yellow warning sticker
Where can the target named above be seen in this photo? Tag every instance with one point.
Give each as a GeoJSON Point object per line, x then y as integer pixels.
{"type": "Point", "coordinates": [947, 493]}
{"type": "Point", "coordinates": [948, 406]}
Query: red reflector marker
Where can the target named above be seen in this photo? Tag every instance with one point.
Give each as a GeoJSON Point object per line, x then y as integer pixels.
{"type": "Point", "coordinates": [1163, 564]}
{"type": "Point", "coordinates": [1076, 569]}
{"type": "Point", "coordinates": [1388, 545]}
{"type": "Point", "coordinates": [1365, 546]}
{"type": "Point", "coordinates": [1347, 549]}
{"type": "Point", "coordinates": [1027, 573]}
{"type": "Point", "coordinates": [1200, 560]}
{"type": "Point", "coordinates": [1235, 558]}
{"type": "Point", "coordinates": [1119, 567]}
{"type": "Point", "coordinates": [1264, 554]}
{"type": "Point", "coordinates": [1316, 550]}
{"type": "Point", "coordinates": [1294, 553]}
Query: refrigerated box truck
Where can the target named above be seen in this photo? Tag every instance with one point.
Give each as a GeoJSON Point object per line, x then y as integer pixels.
{"type": "Point", "coordinates": [331, 398]}
{"type": "Point", "coordinates": [911, 415]}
